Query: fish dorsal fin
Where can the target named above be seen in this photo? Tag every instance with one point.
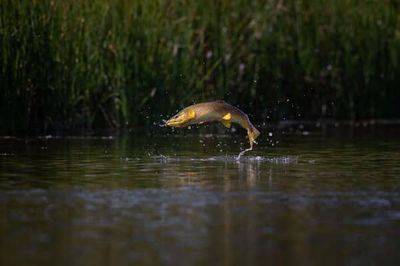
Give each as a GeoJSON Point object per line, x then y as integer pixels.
{"type": "Point", "coordinates": [191, 114]}
{"type": "Point", "coordinates": [226, 123]}
{"type": "Point", "coordinates": [227, 117]}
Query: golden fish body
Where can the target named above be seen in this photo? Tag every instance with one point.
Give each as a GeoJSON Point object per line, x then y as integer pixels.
{"type": "Point", "coordinates": [214, 111]}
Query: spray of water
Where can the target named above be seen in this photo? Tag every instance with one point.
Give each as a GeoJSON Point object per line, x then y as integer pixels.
{"type": "Point", "coordinates": [163, 124]}
{"type": "Point", "coordinates": [243, 152]}
{"type": "Point", "coordinates": [246, 150]}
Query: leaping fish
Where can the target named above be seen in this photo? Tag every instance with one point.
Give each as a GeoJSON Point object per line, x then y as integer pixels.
{"type": "Point", "coordinates": [214, 111]}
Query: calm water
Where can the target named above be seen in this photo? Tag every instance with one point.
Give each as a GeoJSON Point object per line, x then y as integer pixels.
{"type": "Point", "coordinates": [324, 198]}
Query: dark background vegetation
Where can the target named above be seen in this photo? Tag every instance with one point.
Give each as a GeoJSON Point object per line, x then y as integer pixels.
{"type": "Point", "coordinates": [78, 64]}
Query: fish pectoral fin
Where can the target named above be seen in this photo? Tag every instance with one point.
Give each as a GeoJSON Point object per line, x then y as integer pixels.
{"type": "Point", "coordinates": [226, 123]}
{"type": "Point", "coordinates": [227, 117]}
{"type": "Point", "coordinates": [226, 120]}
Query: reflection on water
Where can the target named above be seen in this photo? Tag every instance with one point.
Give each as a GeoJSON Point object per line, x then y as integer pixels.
{"type": "Point", "coordinates": [164, 200]}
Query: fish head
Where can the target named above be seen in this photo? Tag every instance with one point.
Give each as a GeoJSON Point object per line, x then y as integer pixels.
{"type": "Point", "coordinates": [182, 119]}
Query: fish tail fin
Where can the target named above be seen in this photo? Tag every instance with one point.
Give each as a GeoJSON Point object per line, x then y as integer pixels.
{"type": "Point", "coordinates": [253, 133]}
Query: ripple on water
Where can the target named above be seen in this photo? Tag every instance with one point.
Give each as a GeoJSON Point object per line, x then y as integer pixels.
{"type": "Point", "coordinates": [230, 159]}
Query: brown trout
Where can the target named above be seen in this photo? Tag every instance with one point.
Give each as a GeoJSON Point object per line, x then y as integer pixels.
{"type": "Point", "coordinates": [214, 111]}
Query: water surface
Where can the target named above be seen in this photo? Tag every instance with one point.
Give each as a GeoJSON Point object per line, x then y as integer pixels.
{"type": "Point", "coordinates": [324, 198]}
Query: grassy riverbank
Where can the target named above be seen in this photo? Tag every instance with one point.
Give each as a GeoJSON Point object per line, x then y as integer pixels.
{"type": "Point", "coordinates": [85, 65]}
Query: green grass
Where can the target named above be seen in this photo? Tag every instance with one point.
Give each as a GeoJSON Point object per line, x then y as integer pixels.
{"type": "Point", "coordinates": [84, 65]}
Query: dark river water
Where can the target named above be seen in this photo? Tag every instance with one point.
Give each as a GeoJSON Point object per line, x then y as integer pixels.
{"type": "Point", "coordinates": [314, 198]}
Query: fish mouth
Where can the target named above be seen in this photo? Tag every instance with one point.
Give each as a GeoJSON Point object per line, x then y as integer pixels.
{"type": "Point", "coordinates": [175, 123]}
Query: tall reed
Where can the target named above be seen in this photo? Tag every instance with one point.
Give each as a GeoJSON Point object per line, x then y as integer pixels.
{"type": "Point", "coordinates": [77, 64]}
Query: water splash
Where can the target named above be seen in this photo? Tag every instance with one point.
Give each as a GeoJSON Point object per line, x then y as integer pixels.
{"type": "Point", "coordinates": [288, 159]}
{"type": "Point", "coordinates": [243, 152]}
{"type": "Point", "coordinates": [162, 124]}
